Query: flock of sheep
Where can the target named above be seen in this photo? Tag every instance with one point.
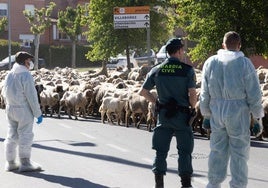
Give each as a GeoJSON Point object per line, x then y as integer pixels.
{"type": "Point", "coordinates": [115, 98]}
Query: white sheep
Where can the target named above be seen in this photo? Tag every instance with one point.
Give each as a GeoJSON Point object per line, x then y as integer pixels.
{"type": "Point", "coordinates": [49, 99]}
{"type": "Point", "coordinates": [75, 102]}
{"type": "Point", "coordinates": [110, 106]}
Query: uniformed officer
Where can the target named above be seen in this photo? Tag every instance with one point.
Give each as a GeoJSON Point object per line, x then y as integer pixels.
{"type": "Point", "coordinates": [175, 84]}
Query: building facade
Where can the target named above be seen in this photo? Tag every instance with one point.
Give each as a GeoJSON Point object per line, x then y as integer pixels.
{"type": "Point", "coordinates": [20, 28]}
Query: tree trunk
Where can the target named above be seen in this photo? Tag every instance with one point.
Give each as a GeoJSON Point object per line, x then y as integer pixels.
{"type": "Point", "coordinates": [73, 54]}
{"type": "Point", "coordinates": [36, 50]}
{"type": "Point", "coordinates": [103, 70]}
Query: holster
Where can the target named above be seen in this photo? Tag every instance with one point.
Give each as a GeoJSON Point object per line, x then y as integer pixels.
{"type": "Point", "coordinates": [172, 108]}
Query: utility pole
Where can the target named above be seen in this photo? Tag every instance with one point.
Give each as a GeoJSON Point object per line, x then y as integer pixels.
{"type": "Point", "coordinates": [9, 34]}
{"type": "Point", "coordinates": [149, 45]}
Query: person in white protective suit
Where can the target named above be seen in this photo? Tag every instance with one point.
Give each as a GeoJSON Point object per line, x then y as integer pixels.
{"type": "Point", "coordinates": [21, 107]}
{"type": "Point", "coordinates": [230, 93]}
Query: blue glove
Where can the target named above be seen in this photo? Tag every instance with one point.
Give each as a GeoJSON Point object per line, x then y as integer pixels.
{"type": "Point", "coordinates": [257, 127]}
{"type": "Point", "coordinates": [39, 119]}
{"type": "Point", "coordinates": [206, 123]}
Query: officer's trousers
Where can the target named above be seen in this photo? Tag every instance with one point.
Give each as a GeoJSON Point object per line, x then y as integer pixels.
{"type": "Point", "coordinates": [161, 143]}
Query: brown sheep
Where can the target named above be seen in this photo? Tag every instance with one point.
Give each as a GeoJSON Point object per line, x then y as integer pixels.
{"type": "Point", "coordinates": [136, 105]}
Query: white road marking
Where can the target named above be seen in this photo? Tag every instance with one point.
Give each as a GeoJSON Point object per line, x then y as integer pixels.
{"type": "Point", "coordinates": [87, 135]}
{"type": "Point", "coordinates": [117, 147]}
{"type": "Point", "coordinates": [199, 181]}
{"type": "Point", "coordinates": [147, 160]}
{"type": "Point", "coordinates": [65, 126]}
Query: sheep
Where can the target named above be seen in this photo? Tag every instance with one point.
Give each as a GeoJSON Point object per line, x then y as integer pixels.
{"type": "Point", "coordinates": [2, 99]}
{"type": "Point", "coordinates": [133, 75]}
{"type": "Point", "coordinates": [75, 101]}
{"type": "Point", "coordinates": [49, 99]}
{"type": "Point", "coordinates": [136, 105]}
{"type": "Point", "coordinates": [265, 118]}
{"type": "Point", "coordinates": [198, 120]}
{"type": "Point", "coordinates": [98, 93]}
{"type": "Point", "coordinates": [84, 101]}
{"type": "Point", "coordinates": [152, 114]}
{"type": "Point", "coordinates": [262, 74]}
{"type": "Point", "coordinates": [112, 105]}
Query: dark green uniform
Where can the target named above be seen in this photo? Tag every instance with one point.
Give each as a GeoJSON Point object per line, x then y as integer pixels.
{"type": "Point", "coordinates": [172, 79]}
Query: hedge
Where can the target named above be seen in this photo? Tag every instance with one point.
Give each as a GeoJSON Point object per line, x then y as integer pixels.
{"type": "Point", "coordinates": [55, 56]}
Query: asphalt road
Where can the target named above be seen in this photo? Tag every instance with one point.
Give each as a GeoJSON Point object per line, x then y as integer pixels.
{"type": "Point", "coordinates": [87, 154]}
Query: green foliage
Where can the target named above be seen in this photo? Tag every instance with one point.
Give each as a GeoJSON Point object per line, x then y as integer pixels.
{"type": "Point", "coordinates": [3, 24]}
{"type": "Point", "coordinates": [71, 21]}
{"type": "Point", "coordinates": [107, 41]}
{"type": "Point", "coordinates": [15, 47]}
{"type": "Point", "coordinates": [206, 22]}
{"type": "Point", "coordinates": [40, 20]}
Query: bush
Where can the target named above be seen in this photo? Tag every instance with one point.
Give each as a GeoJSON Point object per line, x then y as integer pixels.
{"type": "Point", "coordinates": [61, 56]}
{"type": "Point", "coordinates": [54, 56]}
{"type": "Point", "coordinates": [15, 47]}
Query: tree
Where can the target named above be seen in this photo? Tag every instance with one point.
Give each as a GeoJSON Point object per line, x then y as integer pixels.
{"type": "Point", "coordinates": [205, 22]}
{"type": "Point", "coordinates": [106, 41]}
{"type": "Point", "coordinates": [3, 24]}
{"type": "Point", "coordinates": [71, 22]}
{"type": "Point", "coordinates": [39, 21]}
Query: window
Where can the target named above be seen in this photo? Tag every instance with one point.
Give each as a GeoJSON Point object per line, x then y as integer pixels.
{"type": "Point", "coordinates": [63, 36]}
{"type": "Point", "coordinates": [59, 35]}
{"type": "Point", "coordinates": [30, 8]}
{"type": "Point", "coordinates": [26, 43]}
{"type": "Point", "coordinates": [26, 39]}
{"type": "Point", "coordinates": [3, 9]}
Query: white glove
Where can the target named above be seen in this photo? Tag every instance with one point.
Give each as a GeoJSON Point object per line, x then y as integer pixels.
{"type": "Point", "coordinates": [257, 127]}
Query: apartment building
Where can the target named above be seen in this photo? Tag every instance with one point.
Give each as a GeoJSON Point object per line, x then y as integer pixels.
{"type": "Point", "coordinates": [20, 28]}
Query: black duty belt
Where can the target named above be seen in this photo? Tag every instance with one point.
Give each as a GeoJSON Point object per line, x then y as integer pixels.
{"type": "Point", "coordinates": [175, 107]}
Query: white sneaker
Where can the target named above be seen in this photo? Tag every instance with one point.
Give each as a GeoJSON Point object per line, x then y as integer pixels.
{"type": "Point", "coordinates": [11, 165]}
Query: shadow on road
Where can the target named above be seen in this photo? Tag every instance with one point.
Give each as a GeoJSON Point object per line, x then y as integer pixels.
{"type": "Point", "coordinates": [259, 144]}
{"type": "Point", "coordinates": [69, 142]}
{"type": "Point", "coordinates": [95, 156]}
{"type": "Point", "coordinates": [100, 157]}
{"type": "Point", "coordinates": [65, 181]}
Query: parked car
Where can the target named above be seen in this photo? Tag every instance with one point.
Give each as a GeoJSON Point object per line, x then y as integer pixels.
{"type": "Point", "coordinates": [162, 55]}
{"type": "Point", "coordinates": [142, 57]}
{"type": "Point", "coordinates": [121, 61]}
{"type": "Point", "coordinates": [4, 64]}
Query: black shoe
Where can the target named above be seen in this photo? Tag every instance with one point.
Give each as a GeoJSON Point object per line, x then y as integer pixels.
{"type": "Point", "coordinates": [186, 181]}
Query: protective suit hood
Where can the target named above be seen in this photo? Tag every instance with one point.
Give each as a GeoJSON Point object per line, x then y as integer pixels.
{"type": "Point", "coordinates": [227, 55]}
{"type": "Point", "coordinates": [17, 68]}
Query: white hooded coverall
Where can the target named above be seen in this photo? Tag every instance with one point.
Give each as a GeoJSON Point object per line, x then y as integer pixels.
{"type": "Point", "coordinates": [230, 91]}
{"type": "Point", "coordinates": [21, 108]}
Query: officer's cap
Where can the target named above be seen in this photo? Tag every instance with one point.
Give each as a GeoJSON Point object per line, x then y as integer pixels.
{"type": "Point", "coordinates": [21, 56]}
{"type": "Point", "coordinates": [174, 44]}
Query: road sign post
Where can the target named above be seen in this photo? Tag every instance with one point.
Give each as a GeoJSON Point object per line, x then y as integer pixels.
{"type": "Point", "coordinates": [133, 17]}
